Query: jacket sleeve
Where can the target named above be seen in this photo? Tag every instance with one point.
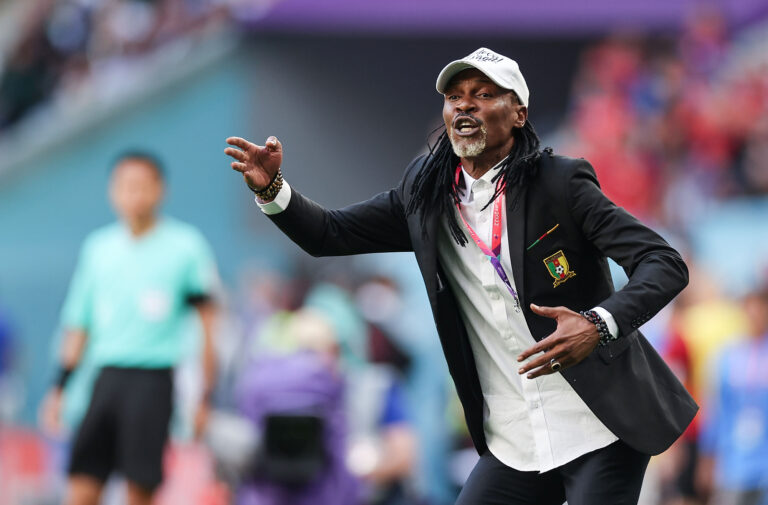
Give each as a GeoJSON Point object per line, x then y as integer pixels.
{"type": "Point", "coordinates": [375, 225]}
{"type": "Point", "coordinates": [656, 271]}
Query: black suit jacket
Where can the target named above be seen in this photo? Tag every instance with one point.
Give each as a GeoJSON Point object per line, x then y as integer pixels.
{"type": "Point", "coordinates": [626, 384]}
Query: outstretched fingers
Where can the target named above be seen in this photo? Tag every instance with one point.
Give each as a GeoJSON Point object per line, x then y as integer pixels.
{"type": "Point", "coordinates": [258, 164]}
{"type": "Point", "coordinates": [240, 167]}
{"type": "Point", "coordinates": [241, 143]}
{"type": "Point", "coordinates": [236, 154]}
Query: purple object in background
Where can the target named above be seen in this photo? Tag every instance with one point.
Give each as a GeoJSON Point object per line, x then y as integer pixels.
{"type": "Point", "coordinates": [300, 382]}
{"type": "Point", "coordinates": [505, 18]}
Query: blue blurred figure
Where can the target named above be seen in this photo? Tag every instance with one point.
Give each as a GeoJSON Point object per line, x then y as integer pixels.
{"type": "Point", "coordinates": [734, 440]}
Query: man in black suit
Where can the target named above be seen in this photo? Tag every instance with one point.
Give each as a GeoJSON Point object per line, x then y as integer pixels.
{"type": "Point", "coordinates": [563, 397]}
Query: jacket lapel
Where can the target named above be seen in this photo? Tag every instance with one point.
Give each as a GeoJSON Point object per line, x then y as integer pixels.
{"type": "Point", "coordinates": [516, 234]}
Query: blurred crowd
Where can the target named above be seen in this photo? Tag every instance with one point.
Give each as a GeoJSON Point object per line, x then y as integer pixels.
{"type": "Point", "coordinates": [62, 49]}
{"type": "Point", "coordinates": [329, 393]}
{"type": "Point", "coordinates": [673, 124]}
{"type": "Point", "coordinates": [332, 388]}
{"type": "Point", "coordinates": [342, 388]}
{"type": "Point", "coordinates": [676, 126]}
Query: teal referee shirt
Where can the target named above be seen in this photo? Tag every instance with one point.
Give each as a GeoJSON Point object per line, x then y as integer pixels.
{"type": "Point", "coordinates": [131, 294]}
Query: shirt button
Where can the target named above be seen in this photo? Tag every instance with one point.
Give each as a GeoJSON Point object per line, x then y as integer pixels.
{"type": "Point", "coordinates": [494, 295]}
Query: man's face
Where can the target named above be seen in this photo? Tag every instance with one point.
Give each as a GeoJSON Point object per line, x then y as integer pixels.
{"type": "Point", "coordinates": [136, 190]}
{"type": "Point", "coordinates": [479, 115]}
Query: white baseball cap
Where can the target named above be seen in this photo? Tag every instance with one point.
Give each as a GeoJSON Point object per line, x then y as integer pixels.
{"type": "Point", "coordinates": [500, 69]}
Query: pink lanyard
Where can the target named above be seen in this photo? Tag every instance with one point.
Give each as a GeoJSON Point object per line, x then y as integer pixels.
{"type": "Point", "coordinates": [494, 252]}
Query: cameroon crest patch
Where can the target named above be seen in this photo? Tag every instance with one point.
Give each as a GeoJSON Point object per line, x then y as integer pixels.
{"type": "Point", "coordinates": [558, 268]}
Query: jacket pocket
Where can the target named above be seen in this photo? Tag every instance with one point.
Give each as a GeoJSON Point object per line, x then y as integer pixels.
{"type": "Point", "coordinates": [615, 348]}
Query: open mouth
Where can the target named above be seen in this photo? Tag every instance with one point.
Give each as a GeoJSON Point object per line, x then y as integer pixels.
{"type": "Point", "coordinates": [465, 126]}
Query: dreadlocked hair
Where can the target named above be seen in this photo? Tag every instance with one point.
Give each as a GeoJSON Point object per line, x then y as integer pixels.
{"type": "Point", "coordinates": [435, 190]}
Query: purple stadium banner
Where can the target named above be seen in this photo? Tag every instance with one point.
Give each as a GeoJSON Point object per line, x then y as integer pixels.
{"type": "Point", "coordinates": [494, 17]}
{"type": "Point", "coordinates": [505, 18]}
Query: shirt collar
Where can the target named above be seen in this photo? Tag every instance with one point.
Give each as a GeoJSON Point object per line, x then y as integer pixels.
{"type": "Point", "coordinates": [466, 180]}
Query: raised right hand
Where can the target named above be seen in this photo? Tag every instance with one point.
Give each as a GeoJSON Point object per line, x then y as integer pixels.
{"type": "Point", "coordinates": [258, 164]}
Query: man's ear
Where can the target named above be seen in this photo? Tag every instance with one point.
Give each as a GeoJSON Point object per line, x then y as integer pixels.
{"type": "Point", "coordinates": [522, 116]}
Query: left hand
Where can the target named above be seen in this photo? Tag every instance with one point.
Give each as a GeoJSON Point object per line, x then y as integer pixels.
{"type": "Point", "coordinates": [573, 340]}
{"type": "Point", "coordinates": [201, 419]}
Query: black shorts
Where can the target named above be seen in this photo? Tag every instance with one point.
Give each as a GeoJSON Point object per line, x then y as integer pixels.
{"type": "Point", "coordinates": [126, 426]}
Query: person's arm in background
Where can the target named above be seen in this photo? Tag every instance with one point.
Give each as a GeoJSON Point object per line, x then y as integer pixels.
{"type": "Point", "coordinates": [207, 313]}
{"type": "Point", "coordinates": [72, 349]}
{"type": "Point", "coordinates": [711, 420]}
{"type": "Point", "coordinates": [201, 285]}
{"type": "Point", "coordinates": [398, 444]}
{"type": "Point", "coordinates": [75, 321]}
{"type": "Point", "coordinates": [398, 455]}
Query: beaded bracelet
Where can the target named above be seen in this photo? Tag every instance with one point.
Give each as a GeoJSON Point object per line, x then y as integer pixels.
{"type": "Point", "coordinates": [602, 328]}
{"type": "Point", "coordinates": [271, 191]}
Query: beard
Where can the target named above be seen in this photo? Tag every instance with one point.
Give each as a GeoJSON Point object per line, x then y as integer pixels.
{"type": "Point", "coordinates": [469, 147]}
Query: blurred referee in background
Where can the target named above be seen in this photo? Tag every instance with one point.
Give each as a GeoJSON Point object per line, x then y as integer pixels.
{"type": "Point", "coordinates": [128, 303]}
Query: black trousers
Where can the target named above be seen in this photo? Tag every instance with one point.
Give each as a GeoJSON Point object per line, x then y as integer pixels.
{"type": "Point", "coordinates": [612, 475]}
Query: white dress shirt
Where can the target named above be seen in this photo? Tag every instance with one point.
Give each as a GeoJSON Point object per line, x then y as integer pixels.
{"type": "Point", "coordinates": [530, 424]}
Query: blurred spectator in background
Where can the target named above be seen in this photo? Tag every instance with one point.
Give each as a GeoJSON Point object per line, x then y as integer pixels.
{"type": "Point", "coordinates": [29, 77]}
{"type": "Point", "coordinates": [5, 343]}
{"type": "Point", "coordinates": [323, 362]}
{"type": "Point", "coordinates": [707, 321]}
{"type": "Point", "coordinates": [391, 299]}
{"type": "Point", "coordinates": [383, 446]}
{"type": "Point", "coordinates": [9, 394]}
{"type": "Point", "coordinates": [734, 441]}
{"type": "Point", "coordinates": [128, 302]}
{"type": "Point", "coordinates": [660, 126]}
{"type": "Point", "coordinates": [690, 336]}
{"type": "Point", "coordinates": [296, 401]}
{"type": "Point", "coordinates": [261, 292]}
{"type": "Point", "coordinates": [63, 45]}
{"type": "Point", "coordinates": [675, 468]}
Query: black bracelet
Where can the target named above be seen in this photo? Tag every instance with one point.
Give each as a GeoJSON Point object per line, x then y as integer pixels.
{"type": "Point", "coordinates": [63, 377]}
{"type": "Point", "coordinates": [272, 189]}
{"type": "Point", "coordinates": [602, 328]}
